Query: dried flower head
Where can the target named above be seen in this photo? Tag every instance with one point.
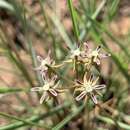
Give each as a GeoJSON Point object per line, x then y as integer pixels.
{"type": "Point", "coordinates": [75, 53]}
{"type": "Point", "coordinates": [74, 57]}
{"type": "Point", "coordinates": [49, 88]}
{"type": "Point", "coordinates": [43, 63]}
{"type": "Point", "coordinates": [93, 56]}
{"type": "Point", "coordinates": [88, 88]}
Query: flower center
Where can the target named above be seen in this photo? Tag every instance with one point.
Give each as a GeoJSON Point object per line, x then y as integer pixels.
{"type": "Point", "coordinates": [43, 63]}
{"type": "Point", "coordinates": [76, 52]}
{"type": "Point", "coordinates": [46, 87]}
{"type": "Point", "coordinates": [89, 88]}
{"type": "Point", "coordinates": [95, 53]}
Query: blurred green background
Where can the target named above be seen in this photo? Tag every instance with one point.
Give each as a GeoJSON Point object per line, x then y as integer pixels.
{"type": "Point", "coordinates": [32, 27]}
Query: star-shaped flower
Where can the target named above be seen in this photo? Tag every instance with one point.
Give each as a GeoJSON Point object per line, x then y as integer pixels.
{"type": "Point", "coordinates": [49, 88]}
{"type": "Point", "coordinates": [43, 64]}
{"type": "Point", "coordinates": [88, 88]}
{"type": "Point", "coordinates": [94, 56]}
{"type": "Point", "coordinates": [74, 57]}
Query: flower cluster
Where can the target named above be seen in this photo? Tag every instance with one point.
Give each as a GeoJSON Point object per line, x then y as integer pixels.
{"type": "Point", "coordinates": [86, 88]}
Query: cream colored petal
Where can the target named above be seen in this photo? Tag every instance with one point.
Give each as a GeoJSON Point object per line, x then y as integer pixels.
{"type": "Point", "coordinates": [53, 92]}
{"type": "Point", "coordinates": [78, 82]}
{"type": "Point", "coordinates": [98, 93]}
{"type": "Point", "coordinates": [57, 66]}
{"type": "Point", "coordinates": [43, 97]}
{"type": "Point", "coordinates": [86, 46]}
{"type": "Point", "coordinates": [85, 78]}
{"type": "Point", "coordinates": [98, 87]}
{"type": "Point", "coordinates": [80, 96]}
{"type": "Point", "coordinates": [68, 61]}
{"type": "Point", "coordinates": [54, 78]}
{"type": "Point", "coordinates": [97, 61]}
{"type": "Point", "coordinates": [57, 84]}
{"type": "Point", "coordinates": [98, 48]}
{"type": "Point", "coordinates": [95, 81]}
{"type": "Point", "coordinates": [38, 68]}
{"type": "Point", "coordinates": [93, 97]}
{"type": "Point", "coordinates": [91, 79]}
{"type": "Point", "coordinates": [79, 89]}
{"type": "Point", "coordinates": [104, 55]}
{"type": "Point", "coordinates": [39, 58]}
{"type": "Point", "coordinates": [36, 89]}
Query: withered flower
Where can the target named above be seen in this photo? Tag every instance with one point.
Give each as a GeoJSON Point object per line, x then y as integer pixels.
{"type": "Point", "coordinates": [74, 57]}
{"type": "Point", "coordinates": [93, 56]}
{"type": "Point", "coordinates": [43, 63]}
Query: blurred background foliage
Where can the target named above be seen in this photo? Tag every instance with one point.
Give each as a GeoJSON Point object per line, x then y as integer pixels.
{"type": "Point", "coordinates": [32, 27]}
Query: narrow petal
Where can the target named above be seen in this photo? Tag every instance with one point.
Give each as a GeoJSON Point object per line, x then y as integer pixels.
{"type": "Point", "coordinates": [98, 87]}
{"type": "Point", "coordinates": [53, 92]}
{"type": "Point", "coordinates": [85, 78]}
{"type": "Point", "coordinates": [104, 55]}
{"type": "Point", "coordinates": [39, 58]}
{"type": "Point", "coordinates": [93, 97]}
{"type": "Point", "coordinates": [49, 53]}
{"type": "Point", "coordinates": [38, 68]}
{"type": "Point", "coordinates": [57, 84]}
{"type": "Point", "coordinates": [91, 78]}
{"type": "Point", "coordinates": [95, 81]}
{"type": "Point", "coordinates": [97, 61]}
{"type": "Point", "coordinates": [68, 61]}
{"type": "Point", "coordinates": [98, 93]}
{"type": "Point", "coordinates": [48, 58]}
{"type": "Point", "coordinates": [79, 82]}
{"type": "Point", "coordinates": [80, 96]}
{"type": "Point", "coordinates": [79, 89]}
{"type": "Point", "coordinates": [54, 78]}
{"type": "Point", "coordinates": [36, 89]}
{"type": "Point", "coordinates": [61, 90]}
{"type": "Point", "coordinates": [86, 47]}
{"type": "Point", "coordinates": [53, 63]}
{"type": "Point", "coordinates": [98, 48]}
{"type": "Point", "coordinates": [43, 97]}
{"type": "Point", "coordinates": [43, 74]}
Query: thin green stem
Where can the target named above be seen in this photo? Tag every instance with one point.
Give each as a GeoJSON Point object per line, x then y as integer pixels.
{"type": "Point", "coordinates": [60, 125]}
{"type": "Point", "coordinates": [23, 120]}
{"type": "Point", "coordinates": [35, 118]}
{"type": "Point", "coordinates": [74, 21]}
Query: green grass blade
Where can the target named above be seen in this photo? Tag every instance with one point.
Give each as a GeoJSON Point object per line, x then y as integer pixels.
{"type": "Point", "coordinates": [35, 118]}
{"type": "Point", "coordinates": [60, 125]}
{"type": "Point", "coordinates": [61, 30]}
{"type": "Point", "coordinates": [30, 45]}
{"type": "Point", "coordinates": [113, 8]}
{"type": "Point", "coordinates": [22, 120]}
{"type": "Point", "coordinates": [112, 122]}
{"type": "Point", "coordinates": [5, 5]}
{"type": "Point", "coordinates": [74, 21]}
{"type": "Point", "coordinates": [14, 55]}
{"type": "Point", "coordinates": [94, 16]}
{"type": "Point", "coordinates": [4, 90]}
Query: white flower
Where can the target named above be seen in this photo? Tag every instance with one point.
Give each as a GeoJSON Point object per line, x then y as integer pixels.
{"type": "Point", "coordinates": [43, 64]}
{"type": "Point", "coordinates": [75, 53]}
{"type": "Point", "coordinates": [49, 88]}
{"type": "Point", "coordinates": [88, 88]}
{"type": "Point", "coordinates": [94, 55]}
